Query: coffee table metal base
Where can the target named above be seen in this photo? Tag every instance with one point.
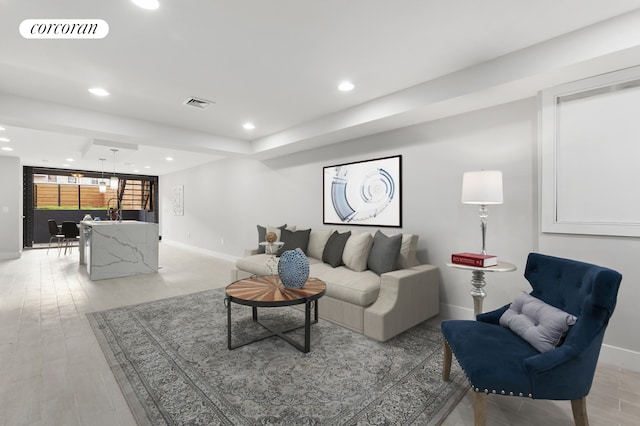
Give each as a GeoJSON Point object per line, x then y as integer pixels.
{"type": "Point", "coordinates": [306, 347]}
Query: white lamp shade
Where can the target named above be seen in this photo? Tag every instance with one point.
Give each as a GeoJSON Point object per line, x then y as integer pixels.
{"type": "Point", "coordinates": [483, 187]}
{"type": "Point", "coordinates": [113, 182]}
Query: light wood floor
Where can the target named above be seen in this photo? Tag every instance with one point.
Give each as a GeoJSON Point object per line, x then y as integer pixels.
{"type": "Point", "coordinates": [52, 371]}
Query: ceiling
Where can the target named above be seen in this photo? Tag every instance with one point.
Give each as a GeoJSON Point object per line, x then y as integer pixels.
{"type": "Point", "coordinates": [277, 64]}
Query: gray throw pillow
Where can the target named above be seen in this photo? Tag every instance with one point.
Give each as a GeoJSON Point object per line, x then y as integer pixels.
{"type": "Point", "coordinates": [384, 253]}
{"type": "Point", "coordinates": [332, 253]}
{"type": "Point", "coordinates": [294, 239]}
{"type": "Point", "coordinates": [262, 235]}
{"type": "Point", "coordinates": [542, 325]}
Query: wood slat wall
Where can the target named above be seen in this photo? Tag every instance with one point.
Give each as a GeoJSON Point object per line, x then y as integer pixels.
{"type": "Point", "coordinates": [46, 195]}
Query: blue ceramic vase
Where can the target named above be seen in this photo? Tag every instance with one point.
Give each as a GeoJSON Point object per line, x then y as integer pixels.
{"type": "Point", "coordinates": [293, 268]}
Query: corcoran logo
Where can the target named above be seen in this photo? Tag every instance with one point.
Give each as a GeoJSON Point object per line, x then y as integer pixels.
{"type": "Point", "coordinates": [64, 28]}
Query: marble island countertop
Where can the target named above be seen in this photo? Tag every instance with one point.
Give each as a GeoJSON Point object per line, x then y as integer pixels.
{"type": "Point", "coordinates": [112, 249]}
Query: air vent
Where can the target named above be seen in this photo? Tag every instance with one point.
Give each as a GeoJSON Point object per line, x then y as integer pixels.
{"type": "Point", "coordinates": [198, 103]}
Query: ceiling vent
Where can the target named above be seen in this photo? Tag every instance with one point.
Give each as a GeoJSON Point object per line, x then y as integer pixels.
{"type": "Point", "coordinates": [198, 103]}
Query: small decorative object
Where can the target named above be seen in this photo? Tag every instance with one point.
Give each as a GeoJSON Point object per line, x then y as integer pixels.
{"type": "Point", "coordinates": [271, 237]}
{"type": "Point", "coordinates": [87, 217]}
{"type": "Point", "coordinates": [293, 268]}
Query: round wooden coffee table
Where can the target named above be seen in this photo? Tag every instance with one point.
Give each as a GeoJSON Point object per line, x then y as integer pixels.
{"type": "Point", "coordinates": [267, 291]}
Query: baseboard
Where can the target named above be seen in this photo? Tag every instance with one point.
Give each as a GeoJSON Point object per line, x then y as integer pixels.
{"type": "Point", "coordinates": [455, 312]}
{"type": "Point", "coordinates": [218, 255]}
{"type": "Point", "coordinates": [619, 357]}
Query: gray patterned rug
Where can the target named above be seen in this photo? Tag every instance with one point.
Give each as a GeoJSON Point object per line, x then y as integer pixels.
{"type": "Point", "coordinates": [171, 360]}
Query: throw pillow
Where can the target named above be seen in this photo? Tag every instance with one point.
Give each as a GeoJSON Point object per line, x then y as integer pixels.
{"type": "Point", "coordinates": [408, 249]}
{"type": "Point", "coordinates": [262, 234]}
{"type": "Point", "coordinates": [317, 240]}
{"type": "Point", "coordinates": [332, 253]}
{"type": "Point", "coordinates": [384, 253]}
{"type": "Point", "coordinates": [294, 239]}
{"type": "Point", "coordinates": [356, 251]}
{"type": "Point", "coordinates": [542, 325]}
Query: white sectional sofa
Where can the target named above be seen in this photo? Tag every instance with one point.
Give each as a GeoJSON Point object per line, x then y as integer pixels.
{"type": "Point", "coordinates": [379, 305]}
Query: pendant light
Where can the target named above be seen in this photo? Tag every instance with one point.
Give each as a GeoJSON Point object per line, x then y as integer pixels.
{"type": "Point", "coordinates": [103, 186]}
{"type": "Point", "coordinates": [114, 179]}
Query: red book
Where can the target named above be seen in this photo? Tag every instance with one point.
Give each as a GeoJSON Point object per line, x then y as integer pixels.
{"type": "Point", "coordinates": [474, 259]}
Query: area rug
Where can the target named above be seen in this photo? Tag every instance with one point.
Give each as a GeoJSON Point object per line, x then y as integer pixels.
{"type": "Point", "coordinates": [171, 361]}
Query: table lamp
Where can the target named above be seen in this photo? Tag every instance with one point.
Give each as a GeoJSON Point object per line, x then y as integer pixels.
{"type": "Point", "coordinates": [482, 188]}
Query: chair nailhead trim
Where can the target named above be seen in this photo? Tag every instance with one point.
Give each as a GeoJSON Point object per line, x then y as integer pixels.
{"type": "Point", "coordinates": [502, 392]}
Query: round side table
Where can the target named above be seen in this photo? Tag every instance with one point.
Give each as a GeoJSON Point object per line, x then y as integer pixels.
{"type": "Point", "coordinates": [478, 282]}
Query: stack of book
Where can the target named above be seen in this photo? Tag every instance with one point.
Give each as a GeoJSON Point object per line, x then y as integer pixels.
{"type": "Point", "coordinates": [474, 259]}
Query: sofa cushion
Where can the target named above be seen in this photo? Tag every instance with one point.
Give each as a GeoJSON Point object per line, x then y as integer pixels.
{"type": "Point", "coordinates": [332, 253]}
{"type": "Point", "coordinates": [256, 264]}
{"type": "Point", "coordinates": [542, 325]}
{"type": "Point", "coordinates": [317, 240]}
{"type": "Point", "coordinates": [293, 240]}
{"type": "Point", "coordinates": [359, 288]}
{"type": "Point", "coordinates": [356, 251]}
{"type": "Point", "coordinates": [262, 234]}
{"type": "Point", "coordinates": [384, 253]}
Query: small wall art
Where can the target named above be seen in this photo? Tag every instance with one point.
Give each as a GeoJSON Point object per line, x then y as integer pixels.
{"type": "Point", "coordinates": [177, 200]}
{"type": "Point", "coordinates": [365, 193]}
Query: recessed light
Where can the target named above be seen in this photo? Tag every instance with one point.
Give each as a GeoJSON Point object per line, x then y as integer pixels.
{"type": "Point", "coordinates": [136, 171]}
{"type": "Point", "coordinates": [249, 126]}
{"type": "Point", "coordinates": [65, 165]}
{"type": "Point", "coordinates": [147, 167]}
{"type": "Point", "coordinates": [346, 86]}
{"type": "Point", "coordinates": [147, 4]}
{"type": "Point", "coordinates": [169, 158]}
{"type": "Point", "coordinates": [2, 129]}
{"type": "Point", "coordinates": [4, 140]}
{"type": "Point", "coordinates": [98, 91]}
{"type": "Point", "coordinates": [7, 148]}
{"type": "Point", "coordinates": [71, 160]}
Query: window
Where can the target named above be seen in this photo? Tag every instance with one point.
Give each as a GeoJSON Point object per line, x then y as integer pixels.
{"type": "Point", "coordinates": [589, 153]}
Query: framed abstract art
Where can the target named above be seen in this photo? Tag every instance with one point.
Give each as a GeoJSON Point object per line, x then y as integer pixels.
{"type": "Point", "coordinates": [367, 193]}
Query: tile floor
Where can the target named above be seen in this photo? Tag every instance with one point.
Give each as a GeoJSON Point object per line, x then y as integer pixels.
{"type": "Point", "coordinates": [52, 371]}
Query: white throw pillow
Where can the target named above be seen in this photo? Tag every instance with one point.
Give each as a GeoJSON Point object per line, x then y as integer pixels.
{"type": "Point", "coordinates": [356, 251]}
{"type": "Point", "coordinates": [408, 249]}
{"type": "Point", "coordinates": [317, 240]}
{"type": "Point", "coordinates": [542, 325]}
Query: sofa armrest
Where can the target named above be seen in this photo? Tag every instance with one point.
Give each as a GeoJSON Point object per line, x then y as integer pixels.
{"type": "Point", "coordinates": [407, 297]}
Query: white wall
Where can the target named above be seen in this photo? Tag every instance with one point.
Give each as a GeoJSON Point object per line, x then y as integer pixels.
{"type": "Point", "coordinates": [225, 200]}
{"type": "Point", "coordinates": [10, 208]}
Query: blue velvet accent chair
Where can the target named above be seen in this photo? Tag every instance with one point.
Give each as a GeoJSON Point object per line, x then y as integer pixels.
{"type": "Point", "coordinates": [497, 361]}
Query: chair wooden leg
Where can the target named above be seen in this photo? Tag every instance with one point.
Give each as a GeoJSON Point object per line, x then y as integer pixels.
{"type": "Point", "coordinates": [579, 408]}
{"type": "Point", "coordinates": [479, 408]}
{"type": "Point", "coordinates": [446, 362]}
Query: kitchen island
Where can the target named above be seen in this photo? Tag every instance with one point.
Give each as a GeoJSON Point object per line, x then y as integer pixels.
{"type": "Point", "coordinates": [112, 249]}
